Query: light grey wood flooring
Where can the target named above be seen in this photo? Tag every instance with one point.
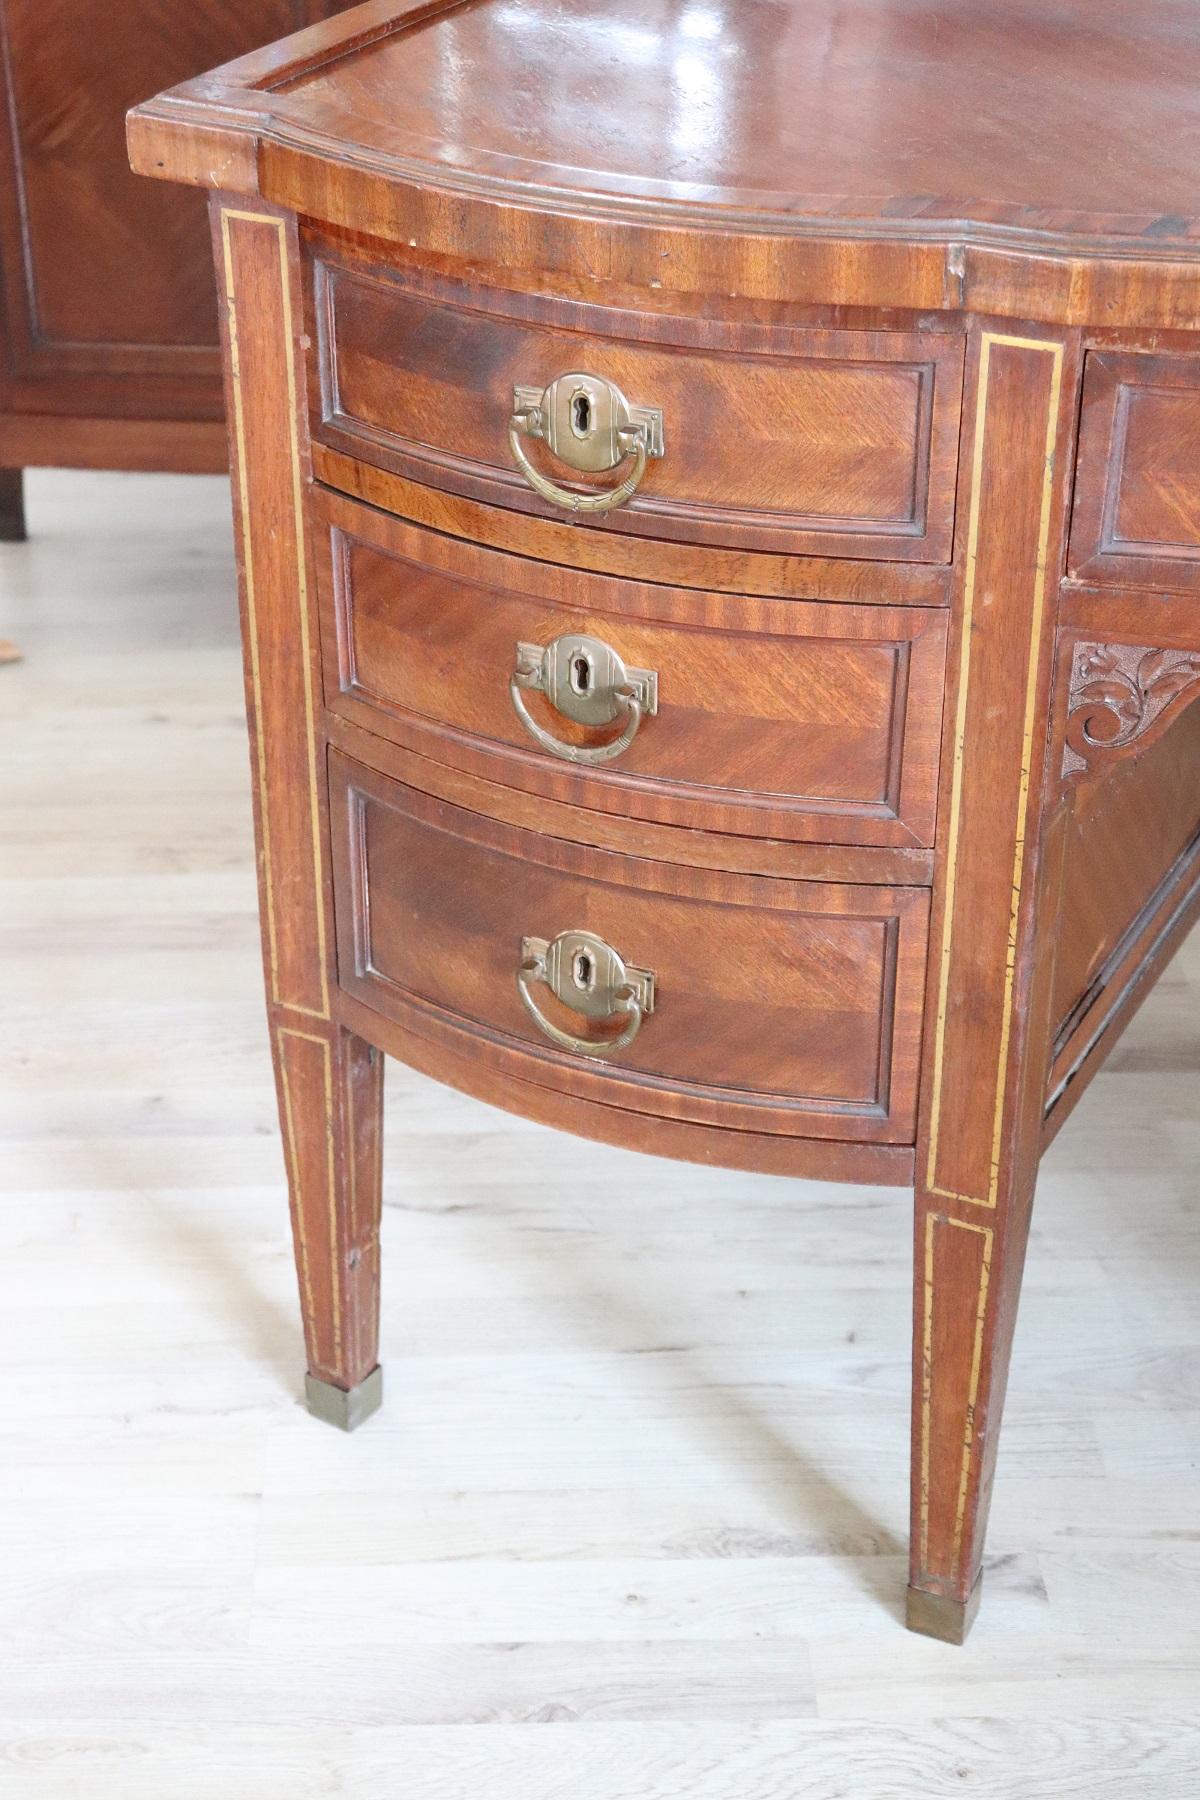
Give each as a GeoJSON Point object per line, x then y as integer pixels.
{"type": "Point", "coordinates": [632, 1523]}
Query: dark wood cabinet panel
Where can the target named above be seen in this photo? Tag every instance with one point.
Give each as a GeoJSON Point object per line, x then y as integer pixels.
{"type": "Point", "coordinates": [109, 350]}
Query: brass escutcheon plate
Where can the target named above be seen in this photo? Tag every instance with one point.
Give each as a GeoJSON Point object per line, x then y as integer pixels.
{"type": "Point", "coordinates": [588, 975]}
{"type": "Point", "coordinates": [583, 678]}
{"type": "Point", "coordinates": [581, 417]}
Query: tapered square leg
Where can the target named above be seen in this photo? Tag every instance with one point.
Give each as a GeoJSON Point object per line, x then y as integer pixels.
{"type": "Point", "coordinates": [331, 1110]}
{"type": "Point", "coordinates": [329, 1081]}
{"type": "Point", "coordinates": [992, 939]}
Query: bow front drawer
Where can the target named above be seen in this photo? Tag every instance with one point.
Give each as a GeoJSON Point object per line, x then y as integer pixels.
{"type": "Point", "coordinates": [833, 442]}
{"type": "Point", "coordinates": [735, 1000]}
{"type": "Point", "coordinates": [790, 719]}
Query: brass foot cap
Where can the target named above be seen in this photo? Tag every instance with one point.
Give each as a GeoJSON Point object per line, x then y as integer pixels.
{"type": "Point", "coordinates": [344, 1407]}
{"type": "Point", "coordinates": [939, 1616]}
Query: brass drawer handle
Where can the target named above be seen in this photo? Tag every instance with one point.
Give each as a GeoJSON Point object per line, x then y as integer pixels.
{"type": "Point", "coordinates": [588, 424]}
{"type": "Point", "coordinates": [586, 975]}
{"type": "Point", "coordinates": [585, 680]}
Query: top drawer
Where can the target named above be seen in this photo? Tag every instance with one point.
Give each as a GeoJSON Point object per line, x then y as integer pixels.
{"type": "Point", "coordinates": [1137, 492]}
{"type": "Point", "coordinates": [775, 438]}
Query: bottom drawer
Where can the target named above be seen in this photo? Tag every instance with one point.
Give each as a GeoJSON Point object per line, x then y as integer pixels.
{"type": "Point", "coordinates": [733, 1000]}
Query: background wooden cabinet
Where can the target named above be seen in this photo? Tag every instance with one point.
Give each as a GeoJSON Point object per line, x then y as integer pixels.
{"type": "Point", "coordinates": [108, 329]}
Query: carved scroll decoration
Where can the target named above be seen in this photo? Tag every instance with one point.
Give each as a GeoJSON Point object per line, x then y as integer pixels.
{"type": "Point", "coordinates": [1119, 692]}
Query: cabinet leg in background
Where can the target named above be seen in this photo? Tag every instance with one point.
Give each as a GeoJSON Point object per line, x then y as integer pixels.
{"type": "Point", "coordinates": [12, 506]}
{"type": "Point", "coordinates": [330, 1087]}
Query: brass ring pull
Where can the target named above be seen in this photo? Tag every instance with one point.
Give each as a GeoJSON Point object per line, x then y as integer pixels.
{"type": "Point", "coordinates": [566, 1040]}
{"type": "Point", "coordinates": [585, 680]}
{"type": "Point", "coordinates": [586, 975]}
{"type": "Point", "coordinates": [588, 424]}
{"type": "Point", "coordinates": [634, 444]}
{"type": "Point", "coordinates": [579, 753]}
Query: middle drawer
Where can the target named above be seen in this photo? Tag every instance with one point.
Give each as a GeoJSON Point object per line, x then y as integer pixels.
{"type": "Point", "coordinates": [803, 720]}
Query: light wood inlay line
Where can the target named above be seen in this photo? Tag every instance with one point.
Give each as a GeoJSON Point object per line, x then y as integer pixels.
{"type": "Point", "coordinates": [308, 1037]}
{"type": "Point", "coordinates": [293, 1171]}
{"type": "Point", "coordinates": [1055, 351]}
{"type": "Point", "coordinates": [985, 1231]}
{"type": "Point", "coordinates": [985, 1268]}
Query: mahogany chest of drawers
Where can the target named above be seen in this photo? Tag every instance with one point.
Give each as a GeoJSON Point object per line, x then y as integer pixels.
{"type": "Point", "coordinates": [721, 601]}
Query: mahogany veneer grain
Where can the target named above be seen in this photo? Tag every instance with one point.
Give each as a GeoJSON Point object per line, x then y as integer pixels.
{"type": "Point", "coordinates": [109, 353]}
{"type": "Point", "coordinates": [785, 720]}
{"type": "Point", "coordinates": [829, 442]}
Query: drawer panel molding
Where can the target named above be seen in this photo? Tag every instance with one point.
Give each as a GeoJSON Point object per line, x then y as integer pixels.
{"type": "Point", "coordinates": [1136, 518]}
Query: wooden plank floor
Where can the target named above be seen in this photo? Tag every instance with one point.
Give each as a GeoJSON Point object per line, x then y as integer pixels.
{"type": "Point", "coordinates": [632, 1523]}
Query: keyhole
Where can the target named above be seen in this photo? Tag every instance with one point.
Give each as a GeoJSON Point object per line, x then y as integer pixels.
{"type": "Point", "coordinates": [581, 674]}
{"type": "Point", "coordinates": [583, 971]}
{"type": "Point", "coordinates": [581, 414]}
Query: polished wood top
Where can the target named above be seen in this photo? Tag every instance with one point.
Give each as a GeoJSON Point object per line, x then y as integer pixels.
{"type": "Point", "coordinates": [1077, 120]}
{"type": "Point", "coordinates": [1081, 116]}
{"type": "Point", "coordinates": [1010, 157]}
